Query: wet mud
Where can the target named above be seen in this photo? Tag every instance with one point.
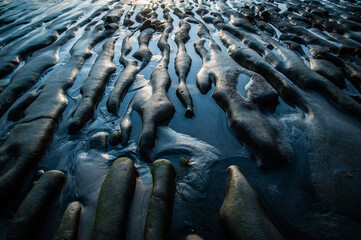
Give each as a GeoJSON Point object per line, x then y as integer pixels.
{"type": "Point", "coordinates": [180, 120]}
{"type": "Point", "coordinates": [182, 64]}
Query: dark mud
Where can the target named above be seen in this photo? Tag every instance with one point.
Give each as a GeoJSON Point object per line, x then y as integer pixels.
{"type": "Point", "coordinates": [157, 223]}
{"type": "Point", "coordinates": [30, 73]}
{"type": "Point", "coordinates": [114, 201]}
{"type": "Point", "coordinates": [69, 224]}
{"type": "Point", "coordinates": [266, 142]}
{"type": "Point", "coordinates": [94, 92]}
{"type": "Point", "coordinates": [94, 86]}
{"type": "Point", "coordinates": [152, 102]}
{"type": "Point", "coordinates": [182, 65]}
{"type": "Point", "coordinates": [34, 206]}
{"type": "Point", "coordinates": [241, 214]}
{"type": "Point", "coordinates": [125, 79]}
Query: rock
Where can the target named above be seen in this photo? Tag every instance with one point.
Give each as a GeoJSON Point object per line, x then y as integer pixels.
{"type": "Point", "coordinates": [182, 65]}
{"type": "Point", "coordinates": [152, 102]}
{"type": "Point", "coordinates": [125, 79]}
{"type": "Point", "coordinates": [242, 215]}
{"type": "Point", "coordinates": [295, 46]}
{"type": "Point", "coordinates": [114, 201]}
{"type": "Point", "coordinates": [260, 135]}
{"type": "Point", "coordinates": [115, 138]}
{"type": "Point", "coordinates": [193, 237]}
{"type": "Point", "coordinates": [51, 101]}
{"type": "Point", "coordinates": [99, 141]}
{"type": "Point", "coordinates": [26, 145]}
{"type": "Point", "coordinates": [41, 60]}
{"type": "Point", "coordinates": [329, 71]}
{"type": "Point", "coordinates": [294, 68]}
{"type": "Point", "coordinates": [157, 224]}
{"type": "Point", "coordinates": [94, 87]}
{"type": "Point", "coordinates": [69, 224]}
{"type": "Point", "coordinates": [143, 53]}
{"type": "Point", "coordinates": [114, 15]}
{"type": "Point", "coordinates": [17, 52]}
{"type": "Point", "coordinates": [34, 206]}
{"type": "Point", "coordinates": [17, 111]}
